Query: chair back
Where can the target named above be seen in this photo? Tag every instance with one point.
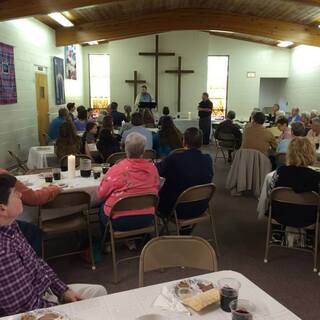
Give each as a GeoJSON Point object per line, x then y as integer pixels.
{"type": "Point", "coordinates": [68, 202]}
{"type": "Point", "coordinates": [116, 157]}
{"type": "Point", "coordinates": [226, 140]}
{"type": "Point", "coordinates": [149, 154]}
{"type": "Point", "coordinates": [177, 251]}
{"type": "Point", "coordinates": [179, 150]}
{"type": "Point", "coordinates": [64, 160]}
{"type": "Point", "coordinates": [18, 161]}
{"type": "Point", "coordinates": [135, 202]}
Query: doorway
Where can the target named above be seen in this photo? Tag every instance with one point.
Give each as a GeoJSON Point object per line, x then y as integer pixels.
{"type": "Point", "coordinates": [42, 106]}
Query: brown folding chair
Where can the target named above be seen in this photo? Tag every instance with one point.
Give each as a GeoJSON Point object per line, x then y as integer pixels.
{"type": "Point", "coordinates": [179, 150]}
{"type": "Point", "coordinates": [225, 141]}
{"type": "Point", "coordinates": [19, 163]}
{"type": "Point", "coordinates": [288, 196]}
{"type": "Point", "coordinates": [116, 157]}
{"type": "Point", "coordinates": [176, 251]}
{"type": "Point", "coordinates": [75, 206]}
{"type": "Point", "coordinates": [129, 203]}
{"type": "Point", "coordinates": [149, 154]}
{"type": "Point", "coordinates": [64, 160]}
{"type": "Point", "coordinates": [193, 194]}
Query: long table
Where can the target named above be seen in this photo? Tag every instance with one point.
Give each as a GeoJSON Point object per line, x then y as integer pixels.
{"type": "Point", "coordinates": [128, 305]}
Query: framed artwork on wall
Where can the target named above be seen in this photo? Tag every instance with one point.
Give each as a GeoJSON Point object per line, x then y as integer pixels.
{"type": "Point", "coordinates": [59, 80]}
{"type": "Point", "coordinates": [70, 58]}
{"type": "Point", "coordinates": [8, 88]}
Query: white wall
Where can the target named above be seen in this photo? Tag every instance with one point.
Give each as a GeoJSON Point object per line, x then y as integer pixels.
{"type": "Point", "coordinates": [34, 44]}
{"type": "Point", "coordinates": [272, 90]}
{"type": "Point", "coordinates": [303, 85]}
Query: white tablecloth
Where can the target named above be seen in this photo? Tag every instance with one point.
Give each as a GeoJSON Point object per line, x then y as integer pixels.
{"type": "Point", "coordinates": [128, 305]}
{"type": "Point", "coordinates": [36, 181]}
{"type": "Point", "coordinates": [38, 157]}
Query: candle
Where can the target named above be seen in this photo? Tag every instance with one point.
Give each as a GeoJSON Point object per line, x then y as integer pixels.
{"type": "Point", "coordinates": [71, 166]}
{"type": "Point", "coordinates": [189, 115]}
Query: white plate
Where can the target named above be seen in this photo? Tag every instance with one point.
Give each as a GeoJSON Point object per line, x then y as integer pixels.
{"type": "Point", "coordinates": [152, 316]}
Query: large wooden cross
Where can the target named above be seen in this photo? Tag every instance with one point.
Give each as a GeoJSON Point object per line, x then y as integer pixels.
{"type": "Point", "coordinates": [179, 72]}
{"type": "Point", "coordinates": [135, 82]}
{"type": "Point", "coordinates": [156, 54]}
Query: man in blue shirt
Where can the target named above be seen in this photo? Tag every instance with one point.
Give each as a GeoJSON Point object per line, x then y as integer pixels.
{"type": "Point", "coordinates": [117, 117]}
{"type": "Point", "coordinates": [144, 96]}
{"type": "Point", "coordinates": [55, 124]}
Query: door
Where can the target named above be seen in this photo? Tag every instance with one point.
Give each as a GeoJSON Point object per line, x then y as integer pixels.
{"type": "Point", "coordinates": [42, 106]}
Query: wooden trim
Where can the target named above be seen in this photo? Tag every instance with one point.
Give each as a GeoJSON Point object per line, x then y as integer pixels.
{"type": "Point", "coordinates": [188, 19]}
{"type": "Point", "coordinates": [315, 3]}
{"type": "Point", "coordinates": [12, 9]}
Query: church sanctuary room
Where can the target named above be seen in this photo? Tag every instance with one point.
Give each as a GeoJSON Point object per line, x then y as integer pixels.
{"type": "Point", "coordinates": [159, 160]}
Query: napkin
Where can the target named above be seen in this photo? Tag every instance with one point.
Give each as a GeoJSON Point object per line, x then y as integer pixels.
{"type": "Point", "coordinates": [168, 301]}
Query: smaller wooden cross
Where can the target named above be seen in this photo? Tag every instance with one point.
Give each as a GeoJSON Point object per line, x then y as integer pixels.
{"type": "Point", "coordinates": [179, 72]}
{"type": "Point", "coordinates": [135, 82]}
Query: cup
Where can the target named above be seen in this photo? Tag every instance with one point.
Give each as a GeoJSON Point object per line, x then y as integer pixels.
{"type": "Point", "coordinates": [105, 167]}
{"type": "Point", "coordinates": [85, 168]}
{"type": "Point", "coordinates": [48, 177]}
{"type": "Point", "coordinates": [56, 173]}
{"type": "Point", "coordinates": [229, 290]}
{"type": "Point", "coordinates": [242, 309]}
{"type": "Point", "coordinates": [96, 172]}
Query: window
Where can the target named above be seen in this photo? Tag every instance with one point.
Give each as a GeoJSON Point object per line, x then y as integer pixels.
{"type": "Point", "coordinates": [99, 70]}
{"type": "Point", "coordinates": [218, 84]}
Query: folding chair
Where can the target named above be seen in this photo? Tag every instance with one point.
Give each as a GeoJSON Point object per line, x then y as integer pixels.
{"type": "Point", "coordinates": [225, 141]}
{"type": "Point", "coordinates": [20, 163]}
{"type": "Point", "coordinates": [179, 150]}
{"type": "Point", "coordinates": [116, 157]}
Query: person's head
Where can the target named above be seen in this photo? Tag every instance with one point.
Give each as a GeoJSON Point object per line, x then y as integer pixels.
{"type": "Point", "coordinates": [166, 111]}
{"type": "Point", "coordinates": [282, 123]}
{"type": "Point", "coordinates": [144, 89]}
{"type": "Point", "coordinates": [63, 113]}
{"type": "Point", "coordinates": [81, 109]}
{"type": "Point", "coordinates": [305, 118]}
{"type": "Point", "coordinates": [135, 145]}
{"type": "Point", "coordinates": [136, 119]}
{"type": "Point", "coordinates": [297, 129]}
{"type": "Point", "coordinates": [231, 115]}
{"type": "Point", "coordinates": [315, 125]}
{"type": "Point", "coordinates": [275, 108]}
{"type": "Point", "coordinates": [295, 111]}
{"type": "Point", "coordinates": [127, 109]}
{"type": "Point", "coordinates": [148, 117]}
{"type": "Point", "coordinates": [107, 122]}
{"type": "Point", "coordinates": [92, 127]}
{"type": "Point", "coordinates": [313, 114]}
{"type": "Point", "coordinates": [259, 118]}
{"type": "Point", "coordinates": [10, 200]}
{"type": "Point", "coordinates": [301, 152]}
{"type": "Point", "coordinates": [90, 112]}
{"type": "Point", "coordinates": [71, 106]}
{"type": "Point", "coordinates": [67, 133]}
{"type": "Point", "coordinates": [82, 114]}
{"type": "Point", "coordinates": [114, 106]}
{"type": "Point", "coordinates": [192, 138]}
{"type": "Point", "coordinates": [205, 96]}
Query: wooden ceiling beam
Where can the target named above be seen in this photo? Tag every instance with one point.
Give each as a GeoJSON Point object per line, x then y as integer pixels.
{"type": "Point", "coordinates": [12, 9]}
{"type": "Point", "coordinates": [315, 3]}
{"type": "Point", "coordinates": [188, 19]}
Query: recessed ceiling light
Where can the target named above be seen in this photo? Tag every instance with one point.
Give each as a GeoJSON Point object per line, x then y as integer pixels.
{"type": "Point", "coordinates": [61, 19]}
{"type": "Point", "coordinates": [92, 43]}
{"type": "Point", "coordinates": [284, 44]}
{"type": "Point", "coordinates": [221, 31]}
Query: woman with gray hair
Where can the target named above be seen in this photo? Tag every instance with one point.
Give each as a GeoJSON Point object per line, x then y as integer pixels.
{"type": "Point", "coordinates": [314, 133]}
{"type": "Point", "coordinates": [130, 176]}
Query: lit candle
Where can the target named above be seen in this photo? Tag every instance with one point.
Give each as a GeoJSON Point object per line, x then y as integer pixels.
{"type": "Point", "coordinates": [189, 115]}
{"type": "Point", "coordinates": [71, 166]}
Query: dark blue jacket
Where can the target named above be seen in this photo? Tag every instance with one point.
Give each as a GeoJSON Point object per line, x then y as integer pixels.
{"type": "Point", "coordinates": [54, 127]}
{"type": "Point", "coordinates": [118, 117]}
{"type": "Point", "coordinates": [181, 171]}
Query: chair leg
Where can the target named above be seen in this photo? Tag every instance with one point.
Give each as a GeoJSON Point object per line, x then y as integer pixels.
{"type": "Point", "coordinates": [224, 156]}
{"type": "Point", "coordinates": [213, 229]}
{"type": "Point", "coordinates": [42, 249]}
{"type": "Point", "coordinates": [267, 241]}
{"type": "Point", "coordinates": [93, 266]}
{"type": "Point", "coordinates": [104, 237]}
{"type": "Point", "coordinates": [316, 240]}
{"type": "Point", "coordinates": [114, 259]}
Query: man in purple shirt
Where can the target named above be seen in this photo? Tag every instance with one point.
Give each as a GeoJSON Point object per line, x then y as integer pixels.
{"type": "Point", "coordinates": [26, 281]}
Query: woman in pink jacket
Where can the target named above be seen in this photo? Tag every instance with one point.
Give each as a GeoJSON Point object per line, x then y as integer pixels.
{"type": "Point", "coordinates": [131, 176]}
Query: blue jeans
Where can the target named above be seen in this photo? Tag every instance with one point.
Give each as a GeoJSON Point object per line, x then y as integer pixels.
{"type": "Point", "coordinates": [126, 223]}
{"type": "Point", "coordinates": [33, 234]}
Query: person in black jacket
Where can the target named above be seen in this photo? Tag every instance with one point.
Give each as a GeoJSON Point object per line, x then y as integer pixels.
{"type": "Point", "coordinates": [204, 112]}
{"type": "Point", "coordinates": [184, 170]}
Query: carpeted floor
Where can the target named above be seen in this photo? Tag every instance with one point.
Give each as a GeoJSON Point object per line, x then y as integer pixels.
{"type": "Point", "coordinates": [288, 276]}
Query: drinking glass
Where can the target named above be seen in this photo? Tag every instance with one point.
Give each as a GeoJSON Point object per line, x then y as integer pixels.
{"type": "Point", "coordinates": [229, 290]}
{"type": "Point", "coordinates": [242, 309]}
{"type": "Point", "coordinates": [56, 173]}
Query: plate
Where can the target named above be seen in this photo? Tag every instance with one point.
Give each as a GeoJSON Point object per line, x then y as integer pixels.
{"type": "Point", "coordinates": [44, 148]}
{"type": "Point", "coordinates": [44, 315]}
{"type": "Point", "coordinates": [152, 316]}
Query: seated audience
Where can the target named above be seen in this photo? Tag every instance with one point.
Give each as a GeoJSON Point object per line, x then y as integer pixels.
{"type": "Point", "coordinates": [71, 106]}
{"type": "Point", "coordinates": [130, 176]}
{"type": "Point", "coordinates": [101, 116]}
{"type": "Point", "coordinates": [137, 126]}
{"type": "Point", "coordinates": [314, 133]}
{"type": "Point", "coordinates": [272, 117]}
{"type": "Point", "coordinates": [167, 139]}
{"type": "Point", "coordinates": [305, 119]}
{"type": "Point", "coordinates": [54, 126]}
{"type": "Point", "coordinates": [165, 115]}
{"type": "Point", "coordinates": [118, 117]}
{"type": "Point", "coordinates": [282, 125]}
{"type": "Point", "coordinates": [257, 137]}
{"type": "Point", "coordinates": [227, 126]}
{"type": "Point", "coordinates": [297, 130]}
{"type": "Point", "coordinates": [108, 142]}
{"type": "Point", "coordinates": [313, 114]}
{"type": "Point", "coordinates": [182, 171]}
{"type": "Point", "coordinates": [90, 114]}
{"type": "Point", "coordinates": [295, 117]}
{"type": "Point", "coordinates": [67, 142]}
{"type": "Point", "coordinates": [148, 119]}
{"type": "Point", "coordinates": [127, 111]}
{"type": "Point", "coordinates": [297, 175]}
{"type": "Point", "coordinates": [26, 281]}
{"type": "Point", "coordinates": [89, 136]}
{"type": "Point", "coordinates": [82, 119]}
